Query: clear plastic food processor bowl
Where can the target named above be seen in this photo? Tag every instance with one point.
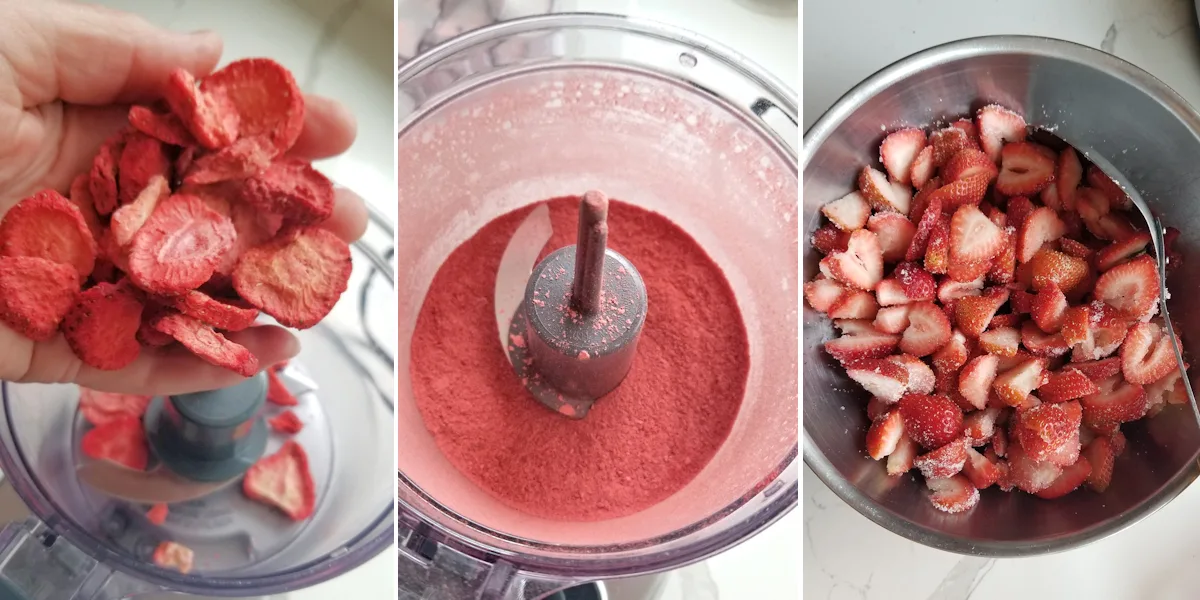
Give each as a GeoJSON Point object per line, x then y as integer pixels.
{"type": "Point", "coordinates": [516, 113]}
{"type": "Point", "coordinates": [86, 545]}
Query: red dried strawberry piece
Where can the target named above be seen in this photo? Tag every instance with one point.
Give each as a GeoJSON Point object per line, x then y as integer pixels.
{"type": "Point", "coordinates": [179, 247]}
{"type": "Point", "coordinates": [884, 194]}
{"type": "Point", "coordinates": [283, 480]}
{"type": "Point", "coordinates": [46, 225]}
{"type": "Point", "coordinates": [304, 196]}
{"type": "Point", "coordinates": [102, 181]}
{"type": "Point", "coordinates": [1069, 480]}
{"type": "Point", "coordinates": [892, 319]}
{"type": "Point", "coordinates": [226, 315]}
{"type": "Point", "coordinates": [998, 126]}
{"type": "Point", "coordinates": [1025, 169]}
{"type": "Point", "coordinates": [102, 408]}
{"type": "Point", "coordinates": [1014, 385]}
{"type": "Point", "coordinates": [1000, 340]}
{"type": "Point", "coordinates": [973, 313]}
{"type": "Point", "coordinates": [277, 392]}
{"type": "Point", "coordinates": [1067, 272]}
{"type": "Point", "coordinates": [822, 293]}
{"type": "Point", "coordinates": [975, 380]}
{"type": "Point", "coordinates": [1147, 354]}
{"type": "Point", "coordinates": [900, 461]}
{"type": "Point", "coordinates": [244, 158]}
{"type": "Point", "coordinates": [286, 422]}
{"type": "Point", "coordinates": [1127, 402]}
{"type": "Point", "coordinates": [35, 295]}
{"type": "Point", "coordinates": [1050, 432]}
{"type": "Point", "coordinates": [266, 97]}
{"type": "Point", "coordinates": [1130, 287]}
{"type": "Point", "coordinates": [166, 128]}
{"type": "Point", "coordinates": [1067, 176]}
{"type": "Point", "coordinates": [847, 213]}
{"type": "Point", "coordinates": [953, 494]}
{"type": "Point", "coordinates": [102, 326]}
{"type": "Point", "coordinates": [980, 470]}
{"type": "Point", "coordinates": [895, 233]}
{"type": "Point", "coordinates": [299, 276]}
{"type": "Point", "coordinates": [175, 556]}
{"type": "Point", "coordinates": [209, 116]}
{"type": "Point", "coordinates": [1101, 457]}
{"type": "Point", "coordinates": [207, 344]}
{"type": "Point", "coordinates": [922, 169]}
{"type": "Point", "coordinates": [157, 514]}
{"type": "Point", "coordinates": [931, 420]}
{"type": "Point", "coordinates": [884, 435]}
{"type": "Point", "coordinates": [946, 461]}
{"type": "Point", "coordinates": [142, 159]}
{"type": "Point", "coordinates": [1067, 384]}
{"type": "Point", "coordinates": [883, 379]}
{"type": "Point", "coordinates": [898, 151]}
{"type": "Point", "coordinates": [81, 196]}
{"type": "Point", "coordinates": [122, 441]}
{"type": "Point", "coordinates": [128, 219]}
{"type": "Point", "coordinates": [1105, 185]}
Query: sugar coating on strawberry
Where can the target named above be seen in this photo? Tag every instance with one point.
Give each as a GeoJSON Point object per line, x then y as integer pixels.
{"type": "Point", "coordinates": [46, 225]}
{"type": "Point", "coordinates": [1067, 384]}
{"type": "Point", "coordinates": [883, 194]}
{"type": "Point", "coordinates": [848, 213]}
{"type": "Point", "coordinates": [1050, 432]}
{"type": "Point", "coordinates": [830, 239]}
{"type": "Point", "coordinates": [946, 461]}
{"type": "Point", "coordinates": [283, 480]}
{"type": "Point", "coordinates": [1025, 169]}
{"type": "Point", "coordinates": [208, 344]}
{"type": "Point", "coordinates": [884, 434]}
{"type": "Point", "coordinates": [898, 151]}
{"type": "Point", "coordinates": [179, 247]}
{"type": "Point", "coordinates": [975, 380]}
{"type": "Point", "coordinates": [299, 276]}
{"type": "Point", "coordinates": [1041, 226]}
{"type": "Point", "coordinates": [900, 461]}
{"type": "Point", "coordinates": [931, 420]}
{"type": "Point", "coordinates": [922, 169]}
{"type": "Point", "coordinates": [1147, 354]}
{"type": "Point", "coordinates": [35, 295]}
{"type": "Point", "coordinates": [895, 233]}
{"type": "Point", "coordinates": [821, 294]}
{"type": "Point", "coordinates": [1068, 480]}
{"type": "Point", "coordinates": [1130, 287]}
{"type": "Point", "coordinates": [881, 378]}
{"type": "Point", "coordinates": [1000, 340]}
{"type": "Point", "coordinates": [997, 127]}
{"type": "Point", "coordinates": [920, 377]}
{"type": "Point", "coordinates": [953, 494]}
{"type": "Point", "coordinates": [102, 326]}
{"type": "Point", "coordinates": [918, 283]}
{"type": "Point", "coordinates": [926, 222]}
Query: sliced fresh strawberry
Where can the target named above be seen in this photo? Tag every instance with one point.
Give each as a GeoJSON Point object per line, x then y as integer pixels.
{"type": "Point", "coordinates": [945, 143]}
{"type": "Point", "coordinates": [969, 164]}
{"type": "Point", "coordinates": [920, 377]}
{"type": "Point", "coordinates": [937, 251]}
{"type": "Point", "coordinates": [1040, 343]}
{"type": "Point", "coordinates": [898, 151]}
{"type": "Point", "coordinates": [979, 427]}
{"type": "Point", "coordinates": [1107, 329]}
{"type": "Point", "coordinates": [1049, 197]}
{"type": "Point", "coordinates": [920, 202]}
{"type": "Point", "coordinates": [997, 127]}
{"type": "Point", "coordinates": [994, 214]}
{"type": "Point", "coordinates": [946, 461]}
{"type": "Point", "coordinates": [1101, 457]}
{"type": "Point", "coordinates": [973, 238]}
{"type": "Point", "coordinates": [1014, 385]}
{"type": "Point", "coordinates": [877, 409]}
{"type": "Point", "coordinates": [931, 420]}
{"type": "Point", "coordinates": [917, 282]}
{"type": "Point", "coordinates": [851, 347]}
{"type": "Point", "coordinates": [822, 293]}
{"type": "Point", "coordinates": [1002, 342]}
{"type": "Point", "coordinates": [1010, 320]}
{"type": "Point", "coordinates": [1049, 308]}
{"type": "Point", "coordinates": [1076, 325]}
{"type": "Point", "coordinates": [1027, 474]}
{"type": "Point", "coordinates": [968, 127]}
{"type": "Point", "coordinates": [883, 194]}
{"type": "Point", "coordinates": [1127, 402]}
{"type": "Point", "coordinates": [1105, 185]}
{"type": "Point", "coordinates": [922, 169]}
{"type": "Point", "coordinates": [1067, 177]}
{"type": "Point", "coordinates": [949, 290]}
{"type": "Point", "coordinates": [1071, 247]}
{"type": "Point", "coordinates": [980, 470]}
{"type": "Point", "coordinates": [1050, 432]}
{"type": "Point", "coordinates": [1091, 204]}
{"type": "Point", "coordinates": [884, 434]}
{"type": "Point", "coordinates": [1004, 266]}
{"type": "Point", "coordinates": [889, 292]}
{"type": "Point", "coordinates": [1065, 271]}
{"type": "Point", "coordinates": [1147, 354]}
{"type": "Point", "coordinates": [854, 327]}
{"type": "Point", "coordinates": [1167, 389]}
{"type": "Point", "coordinates": [1019, 209]}
{"type": "Point", "coordinates": [973, 313]}
{"type": "Point", "coordinates": [1069, 480]}
{"type": "Point", "coordinates": [829, 239]}
{"type": "Point", "coordinates": [999, 442]}
{"type": "Point", "coordinates": [901, 459]}
{"type": "Point", "coordinates": [928, 329]}
{"type": "Point", "coordinates": [1011, 362]}
{"type": "Point", "coordinates": [849, 212]}
{"type": "Point", "coordinates": [1130, 287]}
{"type": "Point", "coordinates": [1041, 226]}
{"type": "Point", "coordinates": [1116, 252]}
{"type": "Point", "coordinates": [895, 233]}
{"type": "Point", "coordinates": [122, 441]}
{"type": "Point", "coordinates": [854, 305]}
{"type": "Point", "coordinates": [967, 270]}
{"type": "Point", "coordinates": [1025, 168]}
{"type": "Point", "coordinates": [975, 380]}
{"type": "Point", "coordinates": [892, 319]}
{"type": "Point", "coordinates": [1067, 384]}
{"type": "Point", "coordinates": [968, 190]}
{"type": "Point", "coordinates": [953, 355]}
{"type": "Point", "coordinates": [953, 494]}
{"type": "Point", "coordinates": [861, 265]}
{"type": "Point", "coordinates": [1097, 370]}
{"type": "Point", "coordinates": [1022, 302]}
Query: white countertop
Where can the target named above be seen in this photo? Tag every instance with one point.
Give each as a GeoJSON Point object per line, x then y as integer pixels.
{"type": "Point", "coordinates": [847, 556]}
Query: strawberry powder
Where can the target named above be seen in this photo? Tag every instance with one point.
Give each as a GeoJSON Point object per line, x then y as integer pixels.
{"type": "Point", "coordinates": [640, 443]}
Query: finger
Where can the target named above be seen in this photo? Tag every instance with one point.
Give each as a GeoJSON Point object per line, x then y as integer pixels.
{"type": "Point", "coordinates": [158, 371]}
{"type": "Point", "coordinates": [85, 129]}
{"type": "Point", "coordinates": [329, 129]}
{"type": "Point", "coordinates": [87, 55]}
{"type": "Point", "coordinates": [349, 220]}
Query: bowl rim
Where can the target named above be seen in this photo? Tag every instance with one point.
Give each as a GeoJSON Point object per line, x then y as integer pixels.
{"type": "Point", "coordinates": [817, 134]}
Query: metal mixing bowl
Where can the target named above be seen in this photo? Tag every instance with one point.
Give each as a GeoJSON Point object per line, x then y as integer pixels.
{"type": "Point", "coordinates": [1106, 108]}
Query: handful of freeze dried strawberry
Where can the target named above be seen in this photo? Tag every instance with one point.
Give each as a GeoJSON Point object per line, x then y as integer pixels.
{"type": "Point", "coordinates": [1005, 336]}
{"type": "Point", "coordinates": [190, 222]}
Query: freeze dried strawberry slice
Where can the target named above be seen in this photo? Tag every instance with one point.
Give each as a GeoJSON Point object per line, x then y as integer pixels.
{"type": "Point", "coordinates": [922, 169]}
{"type": "Point", "coordinates": [892, 319]}
{"type": "Point", "coordinates": [1105, 185]}
{"type": "Point", "coordinates": [299, 276]}
{"type": "Point", "coordinates": [128, 219]}
{"type": "Point", "coordinates": [980, 470]}
{"type": "Point", "coordinates": [1067, 384]}
{"type": "Point", "coordinates": [946, 461]}
{"type": "Point", "coordinates": [102, 408]}
{"type": "Point", "coordinates": [158, 514]}
{"type": "Point", "coordinates": [895, 233]}
{"type": "Point", "coordinates": [46, 225]}
{"type": "Point", "coordinates": [143, 159]}
{"type": "Point", "coordinates": [975, 380]}
{"type": "Point", "coordinates": [1068, 174]}
{"type": "Point", "coordinates": [1126, 402]}
{"type": "Point", "coordinates": [1069, 480]}
{"type": "Point", "coordinates": [102, 180]}
{"type": "Point", "coordinates": [228, 316]}
{"type": "Point", "coordinates": [210, 117]}
{"type": "Point", "coordinates": [266, 97]}
{"type": "Point", "coordinates": [122, 441]}
{"type": "Point", "coordinates": [179, 247]}
{"type": "Point", "coordinates": [881, 378]}
{"type": "Point", "coordinates": [931, 420]}
{"type": "Point", "coordinates": [1040, 343]}
{"type": "Point", "coordinates": [1014, 385]}
{"type": "Point", "coordinates": [242, 159]}
{"type": "Point", "coordinates": [166, 128]}
{"type": "Point", "coordinates": [900, 461]}
{"type": "Point", "coordinates": [1117, 252]}
{"type": "Point", "coordinates": [1130, 287]}
{"type": "Point", "coordinates": [1002, 341]}
{"type": "Point", "coordinates": [1050, 432]}
{"type": "Point", "coordinates": [1025, 169]}
{"type": "Point", "coordinates": [207, 344]}
{"type": "Point", "coordinates": [102, 326]}
{"type": "Point", "coordinates": [277, 392]}
{"type": "Point", "coordinates": [884, 194]}
{"type": "Point", "coordinates": [884, 434]}
{"type": "Point", "coordinates": [898, 151]}
{"type": "Point", "coordinates": [1041, 226]}
{"type": "Point", "coordinates": [1147, 354]}
{"type": "Point", "coordinates": [35, 295]}
{"type": "Point", "coordinates": [822, 293]}
{"type": "Point", "coordinates": [1065, 271]}
{"type": "Point", "coordinates": [973, 313]}
{"type": "Point", "coordinates": [283, 480]}
{"type": "Point", "coordinates": [1049, 308]}
{"type": "Point", "coordinates": [953, 494]}
{"type": "Point", "coordinates": [304, 196]}
{"type": "Point", "coordinates": [175, 556]}
{"type": "Point", "coordinates": [848, 213]}
{"type": "Point", "coordinates": [286, 422]}
{"type": "Point", "coordinates": [854, 305]}
{"type": "Point", "coordinates": [973, 237]}
{"type": "Point", "coordinates": [1027, 474]}
{"type": "Point", "coordinates": [928, 329]}
{"type": "Point", "coordinates": [829, 239]}
{"type": "Point", "coordinates": [997, 127]}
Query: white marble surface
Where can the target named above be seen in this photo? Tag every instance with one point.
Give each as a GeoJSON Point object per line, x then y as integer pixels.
{"type": "Point", "coordinates": [845, 555]}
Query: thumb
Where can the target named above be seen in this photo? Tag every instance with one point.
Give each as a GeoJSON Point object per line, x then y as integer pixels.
{"type": "Point", "coordinates": [99, 56]}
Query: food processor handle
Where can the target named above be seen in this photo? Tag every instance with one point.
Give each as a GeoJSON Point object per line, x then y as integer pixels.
{"type": "Point", "coordinates": [38, 564]}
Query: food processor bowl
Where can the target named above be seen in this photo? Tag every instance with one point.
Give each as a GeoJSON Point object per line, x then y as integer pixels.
{"type": "Point", "coordinates": [1133, 127]}
{"type": "Point", "coordinates": [83, 544]}
{"type": "Point", "coordinates": [519, 112]}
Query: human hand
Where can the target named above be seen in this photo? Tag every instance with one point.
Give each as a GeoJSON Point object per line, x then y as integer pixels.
{"type": "Point", "coordinates": [67, 75]}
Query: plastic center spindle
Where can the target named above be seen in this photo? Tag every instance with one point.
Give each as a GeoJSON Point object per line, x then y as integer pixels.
{"type": "Point", "coordinates": [210, 436]}
{"type": "Point", "coordinates": [575, 334]}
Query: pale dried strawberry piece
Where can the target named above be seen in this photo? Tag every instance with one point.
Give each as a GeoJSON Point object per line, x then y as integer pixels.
{"type": "Point", "coordinates": [46, 225]}
{"type": "Point", "coordinates": [1117, 252]}
{"type": "Point", "coordinates": [179, 247]}
{"type": "Point", "coordinates": [854, 305]}
{"type": "Point", "coordinates": [884, 194]}
{"type": "Point", "coordinates": [1025, 169]}
{"type": "Point", "coordinates": [299, 276]}
{"type": "Point", "coordinates": [898, 151]}
{"type": "Point", "coordinates": [997, 127]}
{"type": "Point", "coordinates": [128, 219]}
{"type": "Point", "coordinates": [1014, 385]}
{"type": "Point", "coordinates": [829, 239]}
{"type": "Point", "coordinates": [895, 233]}
{"type": "Point", "coordinates": [848, 213]}
{"type": "Point", "coordinates": [283, 480]}
{"type": "Point", "coordinates": [884, 434]}
{"type": "Point", "coordinates": [931, 420]}
{"type": "Point", "coordinates": [975, 380]}
{"type": "Point", "coordinates": [210, 117]}
{"type": "Point", "coordinates": [286, 422]}
{"type": "Point", "coordinates": [1147, 354]}
{"type": "Point", "coordinates": [892, 319]}
{"type": "Point", "coordinates": [157, 514]}
{"type": "Point", "coordinates": [1067, 384]}
{"type": "Point", "coordinates": [1002, 341]}
{"type": "Point", "coordinates": [102, 180]}
{"type": "Point", "coordinates": [266, 97]}
{"type": "Point", "coordinates": [240, 160]}
{"type": "Point", "coordinates": [35, 295]}
{"type": "Point", "coordinates": [821, 294]}
{"type": "Point", "coordinates": [881, 378]}
{"type": "Point", "coordinates": [175, 556]}
{"type": "Point", "coordinates": [122, 441]}
{"type": "Point", "coordinates": [102, 326]}
{"type": "Point", "coordinates": [953, 494]}
{"type": "Point", "coordinates": [229, 315]}
{"type": "Point", "coordinates": [945, 461]}
{"type": "Point", "coordinates": [102, 408]}
{"type": "Point", "coordinates": [302, 195]}
{"type": "Point", "coordinates": [164, 127]}
{"type": "Point", "coordinates": [277, 392]}
{"type": "Point", "coordinates": [207, 344]}
{"type": "Point", "coordinates": [1130, 287]}
{"type": "Point", "coordinates": [1068, 174]}
{"type": "Point", "coordinates": [920, 377]}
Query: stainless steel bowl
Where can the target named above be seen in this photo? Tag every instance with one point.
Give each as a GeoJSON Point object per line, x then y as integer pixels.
{"type": "Point", "coordinates": [1105, 107]}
